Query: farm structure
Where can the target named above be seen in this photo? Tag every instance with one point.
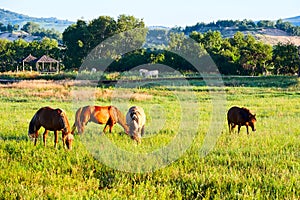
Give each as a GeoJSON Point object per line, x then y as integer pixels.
{"type": "Point", "coordinates": [44, 64]}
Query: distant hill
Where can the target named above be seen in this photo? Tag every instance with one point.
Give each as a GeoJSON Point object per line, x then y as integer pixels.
{"type": "Point", "coordinates": [294, 20]}
{"type": "Point", "coordinates": [13, 18]}
{"type": "Point", "coordinates": [157, 35]}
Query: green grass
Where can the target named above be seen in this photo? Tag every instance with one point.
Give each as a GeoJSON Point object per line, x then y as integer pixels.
{"type": "Point", "coordinates": [262, 165]}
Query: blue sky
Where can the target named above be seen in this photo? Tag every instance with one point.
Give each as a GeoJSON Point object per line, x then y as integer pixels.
{"type": "Point", "coordinates": [158, 12]}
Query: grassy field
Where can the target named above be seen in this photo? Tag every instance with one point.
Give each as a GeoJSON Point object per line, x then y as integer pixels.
{"type": "Point", "coordinates": [262, 165]}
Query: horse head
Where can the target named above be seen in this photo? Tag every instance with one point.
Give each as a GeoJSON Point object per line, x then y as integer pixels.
{"type": "Point", "coordinates": [68, 137]}
{"type": "Point", "coordinates": [252, 120]}
{"type": "Point", "coordinates": [33, 127]}
{"type": "Point", "coordinates": [68, 140]}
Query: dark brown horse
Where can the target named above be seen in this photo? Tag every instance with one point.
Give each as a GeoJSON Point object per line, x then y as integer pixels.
{"type": "Point", "coordinates": [108, 115]}
{"type": "Point", "coordinates": [52, 120]}
{"type": "Point", "coordinates": [241, 117]}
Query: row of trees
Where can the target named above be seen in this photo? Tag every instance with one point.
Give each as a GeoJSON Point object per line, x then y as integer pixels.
{"type": "Point", "coordinates": [240, 55]}
{"type": "Point", "coordinates": [245, 25]}
{"type": "Point", "coordinates": [33, 29]}
{"type": "Point", "coordinates": [11, 53]}
{"type": "Point", "coordinates": [8, 27]}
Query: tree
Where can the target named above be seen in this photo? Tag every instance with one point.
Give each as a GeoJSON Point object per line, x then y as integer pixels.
{"type": "Point", "coordinates": [286, 59]}
{"type": "Point", "coordinates": [75, 37]}
{"type": "Point", "coordinates": [265, 24]}
{"type": "Point", "coordinates": [31, 27]}
{"type": "Point", "coordinates": [82, 38]}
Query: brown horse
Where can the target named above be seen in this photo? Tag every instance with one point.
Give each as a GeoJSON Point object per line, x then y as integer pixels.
{"type": "Point", "coordinates": [52, 120]}
{"type": "Point", "coordinates": [136, 120]}
{"type": "Point", "coordinates": [241, 117]}
{"type": "Point", "coordinates": [108, 115]}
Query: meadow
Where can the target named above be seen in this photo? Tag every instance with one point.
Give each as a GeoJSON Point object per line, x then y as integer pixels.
{"type": "Point", "coordinates": [262, 165]}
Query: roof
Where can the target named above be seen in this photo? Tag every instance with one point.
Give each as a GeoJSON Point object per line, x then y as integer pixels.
{"type": "Point", "coordinates": [29, 58]}
{"type": "Point", "coordinates": [46, 59]}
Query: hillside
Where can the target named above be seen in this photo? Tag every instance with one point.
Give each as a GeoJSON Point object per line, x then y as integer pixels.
{"type": "Point", "coordinates": [157, 34]}
{"type": "Point", "coordinates": [294, 20]}
{"type": "Point", "coordinates": [7, 17]}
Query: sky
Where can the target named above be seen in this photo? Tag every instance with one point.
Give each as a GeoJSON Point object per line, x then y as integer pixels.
{"type": "Point", "coordinates": [158, 12]}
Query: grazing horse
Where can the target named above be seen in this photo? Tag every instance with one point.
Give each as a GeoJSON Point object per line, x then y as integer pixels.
{"type": "Point", "coordinates": [143, 72]}
{"type": "Point", "coordinates": [52, 120]}
{"type": "Point", "coordinates": [153, 73]}
{"type": "Point", "coordinates": [146, 73]}
{"type": "Point", "coordinates": [108, 115]}
{"type": "Point", "coordinates": [241, 117]}
{"type": "Point", "coordinates": [136, 119]}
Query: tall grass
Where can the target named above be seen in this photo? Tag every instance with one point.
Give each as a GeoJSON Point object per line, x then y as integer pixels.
{"type": "Point", "coordinates": [262, 165]}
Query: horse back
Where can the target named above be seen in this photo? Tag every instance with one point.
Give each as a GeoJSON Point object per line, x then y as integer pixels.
{"type": "Point", "coordinates": [53, 119]}
{"type": "Point", "coordinates": [100, 114]}
{"type": "Point", "coordinates": [238, 115]}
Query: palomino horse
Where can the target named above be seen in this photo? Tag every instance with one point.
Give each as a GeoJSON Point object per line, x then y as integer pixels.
{"type": "Point", "coordinates": [108, 115]}
{"type": "Point", "coordinates": [241, 117]}
{"type": "Point", "coordinates": [136, 119]}
{"type": "Point", "coordinates": [52, 120]}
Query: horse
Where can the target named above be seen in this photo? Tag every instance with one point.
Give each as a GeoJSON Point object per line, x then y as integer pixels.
{"type": "Point", "coordinates": [136, 119]}
{"type": "Point", "coordinates": [146, 73]}
{"type": "Point", "coordinates": [143, 72]}
{"type": "Point", "coordinates": [152, 73]}
{"type": "Point", "coordinates": [241, 117]}
{"type": "Point", "coordinates": [108, 115]}
{"type": "Point", "coordinates": [52, 120]}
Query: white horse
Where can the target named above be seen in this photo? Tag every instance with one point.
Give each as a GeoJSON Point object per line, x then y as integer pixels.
{"type": "Point", "coordinates": [143, 72]}
{"type": "Point", "coordinates": [146, 73]}
{"type": "Point", "coordinates": [153, 73]}
{"type": "Point", "coordinates": [136, 119]}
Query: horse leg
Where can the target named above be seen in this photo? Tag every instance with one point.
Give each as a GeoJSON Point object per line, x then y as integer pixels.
{"type": "Point", "coordinates": [63, 139]}
{"type": "Point", "coordinates": [109, 124]}
{"type": "Point", "coordinates": [110, 127]}
{"type": "Point", "coordinates": [45, 136]}
{"type": "Point", "coordinates": [143, 130]}
{"type": "Point", "coordinates": [247, 130]}
{"type": "Point", "coordinates": [229, 127]}
{"type": "Point", "coordinates": [232, 126]}
{"type": "Point", "coordinates": [55, 138]}
{"type": "Point", "coordinates": [105, 127]}
{"type": "Point", "coordinates": [239, 128]}
{"type": "Point", "coordinates": [36, 137]}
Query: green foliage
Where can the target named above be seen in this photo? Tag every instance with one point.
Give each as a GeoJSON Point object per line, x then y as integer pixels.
{"type": "Point", "coordinates": [81, 38]}
{"type": "Point", "coordinates": [286, 59]}
{"type": "Point", "coordinates": [11, 53]}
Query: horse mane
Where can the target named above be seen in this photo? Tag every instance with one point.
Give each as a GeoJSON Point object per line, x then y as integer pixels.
{"type": "Point", "coordinates": [249, 114]}
{"type": "Point", "coordinates": [65, 120]}
{"type": "Point", "coordinates": [32, 124]}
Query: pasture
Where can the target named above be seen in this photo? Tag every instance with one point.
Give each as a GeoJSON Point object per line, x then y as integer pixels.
{"type": "Point", "coordinates": [262, 165]}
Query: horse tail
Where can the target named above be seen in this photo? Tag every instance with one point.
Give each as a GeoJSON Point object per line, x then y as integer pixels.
{"type": "Point", "coordinates": [120, 118]}
{"type": "Point", "coordinates": [77, 122]}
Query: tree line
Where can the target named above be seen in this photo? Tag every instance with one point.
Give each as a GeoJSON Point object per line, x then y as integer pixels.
{"type": "Point", "coordinates": [239, 55]}
{"type": "Point", "coordinates": [244, 25]}
{"type": "Point", "coordinates": [32, 28]}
